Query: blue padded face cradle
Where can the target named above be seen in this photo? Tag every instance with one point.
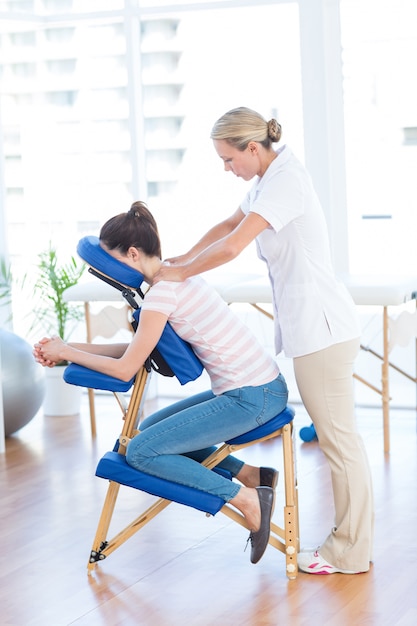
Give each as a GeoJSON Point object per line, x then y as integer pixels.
{"type": "Point", "coordinates": [91, 252]}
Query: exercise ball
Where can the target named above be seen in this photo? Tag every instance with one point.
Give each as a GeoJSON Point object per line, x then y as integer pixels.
{"type": "Point", "coordinates": [22, 381]}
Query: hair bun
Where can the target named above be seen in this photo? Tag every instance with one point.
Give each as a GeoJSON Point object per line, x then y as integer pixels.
{"type": "Point", "coordinates": [133, 212]}
{"type": "Point", "coordinates": [274, 130]}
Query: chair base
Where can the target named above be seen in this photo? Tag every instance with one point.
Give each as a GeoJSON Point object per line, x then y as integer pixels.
{"type": "Point", "coordinates": [113, 467]}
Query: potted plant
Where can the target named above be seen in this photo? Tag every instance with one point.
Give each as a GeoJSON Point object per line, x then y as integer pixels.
{"type": "Point", "coordinates": [55, 316]}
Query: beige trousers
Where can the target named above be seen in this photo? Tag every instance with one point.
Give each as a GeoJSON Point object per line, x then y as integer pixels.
{"type": "Point", "coordinates": [325, 383]}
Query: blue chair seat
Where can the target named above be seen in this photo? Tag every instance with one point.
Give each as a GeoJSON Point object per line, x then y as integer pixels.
{"type": "Point", "coordinates": [285, 417]}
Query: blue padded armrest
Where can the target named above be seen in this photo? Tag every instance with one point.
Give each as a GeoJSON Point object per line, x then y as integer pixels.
{"type": "Point", "coordinates": [113, 466]}
{"type": "Point", "coordinates": [177, 353]}
{"type": "Point", "coordinates": [84, 377]}
{"type": "Point", "coordinates": [91, 252]}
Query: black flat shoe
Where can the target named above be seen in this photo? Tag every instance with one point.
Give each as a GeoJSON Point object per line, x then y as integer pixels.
{"type": "Point", "coordinates": [260, 538]}
{"type": "Point", "coordinates": [268, 477]}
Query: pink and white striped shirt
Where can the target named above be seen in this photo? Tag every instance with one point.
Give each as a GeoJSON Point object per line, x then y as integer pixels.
{"type": "Point", "coordinates": [229, 351]}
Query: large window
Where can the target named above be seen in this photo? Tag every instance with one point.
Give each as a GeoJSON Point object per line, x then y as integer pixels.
{"type": "Point", "coordinates": [379, 57]}
{"type": "Point", "coordinates": [101, 106]}
{"type": "Point", "coordinates": [98, 111]}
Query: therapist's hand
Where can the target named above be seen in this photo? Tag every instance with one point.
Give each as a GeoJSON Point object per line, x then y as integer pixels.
{"type": "Point", "coordinates": [177, 260]}
{"type": "Point", "coordinates": [173, 273]}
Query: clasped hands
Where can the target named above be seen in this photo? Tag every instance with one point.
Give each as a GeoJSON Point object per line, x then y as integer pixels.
{"type": "Point", "coordinates": [47, 351]}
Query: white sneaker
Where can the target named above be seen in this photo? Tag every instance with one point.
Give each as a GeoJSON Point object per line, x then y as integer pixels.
{"type": "Point", "coordinates": [313, 563]}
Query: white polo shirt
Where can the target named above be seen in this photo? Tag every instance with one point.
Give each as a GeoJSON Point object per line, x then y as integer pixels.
{"type": "Point", "coordinates": [312, 309]}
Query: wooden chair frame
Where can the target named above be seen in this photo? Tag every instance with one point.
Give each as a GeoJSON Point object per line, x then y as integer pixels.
{"type": "Point", "coordinates": [284, 538]}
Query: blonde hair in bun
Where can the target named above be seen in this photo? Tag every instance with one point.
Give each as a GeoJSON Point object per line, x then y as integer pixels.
{"type": "Point", "coordinates": [242, 125]}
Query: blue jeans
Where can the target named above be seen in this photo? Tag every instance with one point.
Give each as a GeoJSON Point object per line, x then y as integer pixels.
{"type": "Point", "coordinates": [174, 440]}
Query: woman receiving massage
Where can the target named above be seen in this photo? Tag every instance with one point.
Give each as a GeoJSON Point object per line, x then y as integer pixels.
{"type": "Point", "coordinates": [247, 388]}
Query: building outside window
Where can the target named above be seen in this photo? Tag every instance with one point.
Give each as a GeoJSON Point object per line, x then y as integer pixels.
{"type": "Point", "coordinates": [105, 103]}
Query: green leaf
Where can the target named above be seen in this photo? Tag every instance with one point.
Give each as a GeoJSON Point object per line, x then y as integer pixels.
{"type": "Point", "coordinates": [53, 278]}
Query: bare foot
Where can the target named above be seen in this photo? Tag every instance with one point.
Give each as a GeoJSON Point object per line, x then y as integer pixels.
{"type": "Point", "coordinates": [249, 476]}
{"type": "Point", "coordinates": [247, 501]}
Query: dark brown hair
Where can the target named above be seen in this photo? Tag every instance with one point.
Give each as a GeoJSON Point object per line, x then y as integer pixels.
{"type": "Point", "coordinates": [135, 228]}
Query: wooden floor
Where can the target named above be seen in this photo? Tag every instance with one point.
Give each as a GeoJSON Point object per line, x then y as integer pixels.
{"type": "Point", "coordinates": [185, 568]}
